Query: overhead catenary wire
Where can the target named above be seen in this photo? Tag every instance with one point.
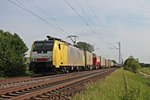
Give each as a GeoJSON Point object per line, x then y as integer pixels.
{"type": "Point", "coordinates": [83, 11]}
{"type": "Point", "coordinates": [35, 6]}
{"type": "Point", "coordinates": [81, 16]}
{"type": "Point", "coordinates": [87, 14]}
{"type": "Point", "coordinates": [95, 15]}
{"type": "Point", "coordinates": [44, 12]}
{"type": "Point", "coordinates": [83, 20]}
{"type": "Point", "coordinates": [35, 15]}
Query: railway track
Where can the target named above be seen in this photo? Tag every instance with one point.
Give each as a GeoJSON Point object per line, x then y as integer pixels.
{"type": "Point", "coordinates": [44, 87]}
{"type": "Point", "coordinates": [12, 82]}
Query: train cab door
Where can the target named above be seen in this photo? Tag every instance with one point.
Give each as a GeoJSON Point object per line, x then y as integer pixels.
{"type": "Point", "coordinates": [57, 56]}
{"type": "Point", "coordinates": [61, 54]}
{"type": "Point", "coordinates": [62, 51]}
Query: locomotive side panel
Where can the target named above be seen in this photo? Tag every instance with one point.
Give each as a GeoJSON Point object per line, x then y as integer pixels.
{"type": "Point", "coordinates": [59, 54]}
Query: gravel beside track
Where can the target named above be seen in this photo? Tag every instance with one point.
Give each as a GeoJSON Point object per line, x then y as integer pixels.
{"type": "Point", "coordinates": [46, 87]}
{"type": "Point", "coordinates": [12, 82]}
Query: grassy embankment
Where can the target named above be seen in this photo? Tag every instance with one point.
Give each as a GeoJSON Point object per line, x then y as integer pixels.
{"type": "Point", "coordinates": [2, 78]}
{"type": "Point", "coordinates": [120, 85]}
{"type": "Point", "coordinates": [145, 70]}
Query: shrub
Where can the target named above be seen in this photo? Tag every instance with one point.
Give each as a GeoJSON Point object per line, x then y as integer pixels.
{"type": "Point", "coordinates": [12, 52]}
{"type": "Point", "coordinates": [132, 64]}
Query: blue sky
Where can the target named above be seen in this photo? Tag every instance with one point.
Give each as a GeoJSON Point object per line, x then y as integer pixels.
{"type": "Point", "coordinates": [125, 21]}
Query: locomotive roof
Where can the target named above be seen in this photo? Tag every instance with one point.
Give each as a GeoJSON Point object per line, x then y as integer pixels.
{"type": "Point", "coordinates": [52, 38]}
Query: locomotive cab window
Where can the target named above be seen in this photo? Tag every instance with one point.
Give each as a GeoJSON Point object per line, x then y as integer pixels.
{"type": "Point", "coordinates": [43, 46]}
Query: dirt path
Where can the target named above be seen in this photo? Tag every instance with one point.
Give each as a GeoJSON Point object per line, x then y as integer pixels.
{"type": "Point", "coordinates": [146, 75]}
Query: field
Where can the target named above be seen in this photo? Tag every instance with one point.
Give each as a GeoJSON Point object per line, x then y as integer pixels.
{"type": "Point", "coordinates": [120, 85]}
{"type": "Point", "coordinates": [145, 70]}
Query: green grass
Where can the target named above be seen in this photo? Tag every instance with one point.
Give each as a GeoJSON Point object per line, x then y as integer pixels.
{"type": "Point", "coordinates": [113, 88]}
{"type": "Point", "coordinates": [138, 86]}
{"type": "Point", "coordinates": [2, 78]}
{"type": "Point", "coordinates": [145, 70]}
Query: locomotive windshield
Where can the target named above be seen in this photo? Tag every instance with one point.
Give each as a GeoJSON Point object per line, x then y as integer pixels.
{"type": "Point", "coordinates": [43, 45]}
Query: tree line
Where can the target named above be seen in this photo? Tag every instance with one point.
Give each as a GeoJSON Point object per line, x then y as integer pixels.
{"type": "Point", "coordinates": [12, 54]}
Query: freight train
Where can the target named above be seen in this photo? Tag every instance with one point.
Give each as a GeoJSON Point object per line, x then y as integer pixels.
{"type": "Point", "coordinates": [55, 55]}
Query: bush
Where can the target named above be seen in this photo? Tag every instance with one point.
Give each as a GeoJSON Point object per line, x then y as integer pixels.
{"type": "Point", "coordinates": [135, 66]}
{"type": "Point", "coordinates": [132, 64]}
{"type": "Point", "coordinates": [12, 52]}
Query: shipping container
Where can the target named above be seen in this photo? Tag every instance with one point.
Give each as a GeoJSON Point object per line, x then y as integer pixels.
{"type": "Point", "coordinates": [102, 62]}
{"type": "Point", "coordinates": [75, 56]}
{"type": "Point", "coordinates": [96, 62]}
{"type": "Point", "coordinates": [88, 58]}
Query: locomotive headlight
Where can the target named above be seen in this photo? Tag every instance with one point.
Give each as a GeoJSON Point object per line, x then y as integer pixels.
{"type": "Point", "coordinates": [49, 59]}
{"type": "Point", "coordinates": [33, 59]}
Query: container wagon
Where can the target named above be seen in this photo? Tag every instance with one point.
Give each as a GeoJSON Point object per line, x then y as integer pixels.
{"type": "Point", "coordinates": [89, 60]}
{"type": "Point", "coordinates": [96, 62]}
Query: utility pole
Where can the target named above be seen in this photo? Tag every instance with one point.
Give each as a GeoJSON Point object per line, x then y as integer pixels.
{"type": "Point", "coordinates": [119, 53]}
{"type": "Point", "coordinates": [73, 38]}
{"type": "Point", "coordinates": [119, 49]}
